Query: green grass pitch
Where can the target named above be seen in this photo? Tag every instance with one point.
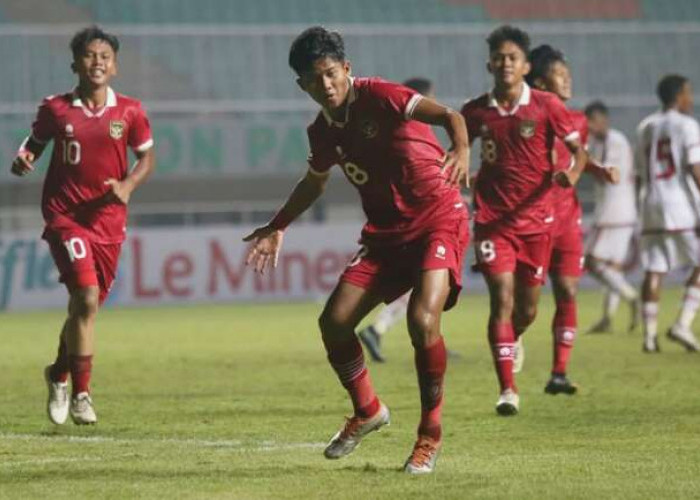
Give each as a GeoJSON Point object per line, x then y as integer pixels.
{"type": "Point", "coordinates": [237, 401]}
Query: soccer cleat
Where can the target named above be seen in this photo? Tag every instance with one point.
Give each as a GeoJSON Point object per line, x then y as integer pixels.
{"type": "Point", "coordinates": [508, 403]}
{"type": "Point", "coordinates": [372, 341]}
{"type": "Point", "coordinates": [602, 326]}
{"type": "Point", "coordinates": [651, 344]}
{"type": "Point", "coordinates": [518, 355]}
{"type": "Point", "coordinates": [349, 437]}
{"type": "Point", "coordinates": [635, 315]}
{"type": "Point", "coordinates": [684, 337]}
{"type": "Point", "coordinates": [423, 457]}
{"type": "Point", "coordinates": [58, 402]}
{"type": "Point", "coordinates": [81, 409]}
{"type": "Point", "coordinates": [559, 384]}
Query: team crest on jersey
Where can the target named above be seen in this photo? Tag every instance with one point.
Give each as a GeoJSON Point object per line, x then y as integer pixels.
{"type": "Point", "coordinates": [369, 129]}
{"type": "Point", "coordinates": [116, 129]}
{"type": "Point", "coordinates": [69, 130]}
{"type": "Point", "coordinates": [484, 130]}
{"type": "Point", "coordinates": [527, 128]}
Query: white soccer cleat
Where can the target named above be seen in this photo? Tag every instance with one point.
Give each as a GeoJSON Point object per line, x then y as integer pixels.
{"type": "Point", "coordinates": [81, 409]}
{"type": "Point", "coordinates": [683, 336]}
{"type": "Point", "coordinates": [58, 402]}
{"type": "Point", "coordinates": [508, 403]}
{"type": "Point", "coordinates": [423, 457]}
{"type": "Point", "coordinates": [349, 437]}
{"type": "Point", "coordinates": [518, 355]}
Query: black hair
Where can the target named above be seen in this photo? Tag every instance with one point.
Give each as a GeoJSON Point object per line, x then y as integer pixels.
{"type": "Point", "coordinates": [669, 87]}
{"type": "Point", "coordinates": [542, 58]}
{"type": "Point", "coordinates": [508, 33]}
{"type": "Point", "coordinates": [421, 85]}
{"type": "Point", "coordinates": [82, 39]}
{"type": "Point", "coordinates": [596, 107]}
{"type": "Point", "coordinates": [313, 44]}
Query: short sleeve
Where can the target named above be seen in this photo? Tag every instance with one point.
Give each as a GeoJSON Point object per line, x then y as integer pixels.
{"type": "Point", "coordinates": [691, 142]}
{"type": "Point", "coordinates": [322, 156]}
{"type": "Point", "coordinates": [399, 100]}
{"type": "Point", "coordinates": [44, 126]}
{"type": "Point", "coordinates": [140, 136]}
{"type": "Point", "coordinates": [560, 120]}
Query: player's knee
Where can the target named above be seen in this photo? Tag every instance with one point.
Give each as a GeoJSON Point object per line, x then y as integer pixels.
{"type": "Point", "coordinates": [332, 322]}
{"type": "Point", "coordinates": [502, 304]}
{"type": "Point", "coordinates": [423, 325]}
{"type": "Point", "coordinates": [84, 303]}
{"type": "Point", "coordinates": [525, 314]}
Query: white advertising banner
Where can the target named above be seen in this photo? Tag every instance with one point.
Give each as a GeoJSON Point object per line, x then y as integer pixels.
{"type": "Point", "coordinates": [182, 265]}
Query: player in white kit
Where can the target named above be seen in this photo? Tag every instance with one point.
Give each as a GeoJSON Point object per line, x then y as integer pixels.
{"type": "Point", "coordinates": [614, 220]}
{"type": "Point", "coordinates": [668, 162]}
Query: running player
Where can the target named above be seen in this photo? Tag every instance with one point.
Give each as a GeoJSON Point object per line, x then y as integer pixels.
{"type": "Point", "coordinates": [86, 191]}
{"type": "Point", "coordinates": [517, 126]}
{"type": "Point", "coordinates": [615, 218]}
{"type": "Point", "coordinates": [415, 236]}
{"type": "Point", "coordinates": [550, 72]}
{"type": "Point", "coordinates": [668, 161]}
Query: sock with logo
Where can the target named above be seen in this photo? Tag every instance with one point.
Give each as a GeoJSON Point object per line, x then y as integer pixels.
{"type": "Point", "coordinates": [564, 331]}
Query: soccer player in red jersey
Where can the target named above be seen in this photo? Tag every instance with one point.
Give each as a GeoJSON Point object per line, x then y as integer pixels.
{"type": "Point", "coordinates": [86, 190]}
{"type": "Point", "coordinates": [550, 72]}
{"type": "Point", "coordinates": [517, 126]}
{"type": "Point", "coordinates": [416, 232]}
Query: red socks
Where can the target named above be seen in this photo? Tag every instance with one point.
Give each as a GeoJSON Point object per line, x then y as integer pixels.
{"type": "Point", "coordinates": [80, 371]}
{"type": "Point", "coordinates": [564, 330]}
{"type": "Point", "coordinates": [61, 367]}
{"type": "Point", "coordinates": [348, 361]}
{"type": "Point", "coordinates": [431, 363]}
{"type": "Point", "coordinates": [502, 340]}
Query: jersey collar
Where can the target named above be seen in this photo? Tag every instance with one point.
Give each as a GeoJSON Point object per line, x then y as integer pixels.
{"type": "Point", "coordinates": [523, 101]}
{"type": "Point", "coordinates": [78, 103]}
{"type": "Point", "coordinates": [351, 98]}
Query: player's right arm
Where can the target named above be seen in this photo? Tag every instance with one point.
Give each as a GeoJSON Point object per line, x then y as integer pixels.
{"type": "Point", "coordinates": [31, 148]}
{"type": "Point", "coordinates": [266, 241]}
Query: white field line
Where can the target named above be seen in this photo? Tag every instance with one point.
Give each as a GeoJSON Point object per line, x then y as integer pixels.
{"type": "Point", "coordinates": [234, 445]}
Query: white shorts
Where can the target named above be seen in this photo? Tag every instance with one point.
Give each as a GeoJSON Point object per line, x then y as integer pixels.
{"type": "Point", "coordinates": [662, 252]}
{"type": "Point", "coordinates": [611, 244]}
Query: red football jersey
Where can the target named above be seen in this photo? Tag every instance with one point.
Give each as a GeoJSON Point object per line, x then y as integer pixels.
{"type": "Point", "coordinates": [393, 161]}
{"type": "Point", "coordinates": [89, 148]}
{"type": "Point", "coordinates": [514, 185]}
{"type": "Point", "coordinates": [566, 204]}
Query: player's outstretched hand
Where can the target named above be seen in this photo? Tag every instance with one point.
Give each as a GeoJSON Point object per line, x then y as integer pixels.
{"type": "Point", "coordinates": [565, 178]}
{"type": "Point", "coordinates": [119, 192]}
{"type": "Point", "coordinates": [264, 249]}
{"type": "Point", "coordinates": [22, 164]}
{"type": "Point", "coordinates": [611, 175]}
{"type": "Point", "coordinates": [456, 165]}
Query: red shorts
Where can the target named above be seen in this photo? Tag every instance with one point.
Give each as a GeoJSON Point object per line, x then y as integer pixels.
{"type": "Point", "coordinates": [500, 251]}
{"type": "Point", "coordinates": [567, 248]}
{"type": "Point", "coordinates": [392, 271]}
{"type": "Point", "coordinates": [81, 262]}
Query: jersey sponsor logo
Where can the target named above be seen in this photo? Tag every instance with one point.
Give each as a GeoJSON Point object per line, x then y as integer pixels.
{"type": "Point", "coordinates": [369, 129]}
{"type": "Point", "coordinates": [440, 252]}
{"type": "Point", "coordinates": [116, 129]}
{"type": "Point", "coordinates": [527, 128]}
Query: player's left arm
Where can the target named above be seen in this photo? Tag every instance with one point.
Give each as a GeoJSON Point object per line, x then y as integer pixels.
{"type": "Point", "coordinates": [121, 189]}
{"type": "Point", "coordinates": [140, 139]}
{"type": "Point", "coordinates": [456, 160]}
